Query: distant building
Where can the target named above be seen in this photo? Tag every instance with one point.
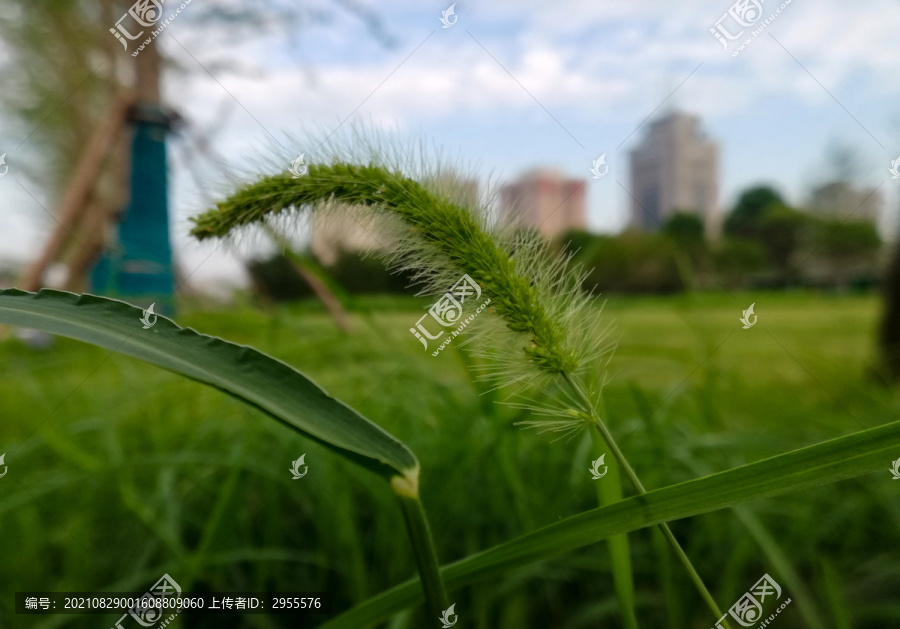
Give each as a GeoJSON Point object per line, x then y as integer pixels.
{"type": "Point", "coordinates": [840, 199]}
{"type": "Point", "coordinates": [544, 200]}
{"type": "Point", "coordinates": [675, 169]}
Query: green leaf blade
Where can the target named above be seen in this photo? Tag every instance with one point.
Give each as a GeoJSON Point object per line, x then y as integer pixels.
{"type": "Point", "coordinates": [240, 371]}
{"type": "Point", "coordinates": [838, 459]}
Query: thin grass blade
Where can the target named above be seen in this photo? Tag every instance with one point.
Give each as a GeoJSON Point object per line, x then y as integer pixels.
{"type": "Point", "coordinates": [839, 459]}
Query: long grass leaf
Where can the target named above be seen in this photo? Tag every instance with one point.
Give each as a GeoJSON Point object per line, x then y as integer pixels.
{"type": "Point", "coordinates": [828, 462]}
{"type": "Point", "coordinates": [243, 372]}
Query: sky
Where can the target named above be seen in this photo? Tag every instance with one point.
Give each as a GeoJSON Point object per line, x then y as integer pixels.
{"type": "Point", "coordinates": [515, 85]}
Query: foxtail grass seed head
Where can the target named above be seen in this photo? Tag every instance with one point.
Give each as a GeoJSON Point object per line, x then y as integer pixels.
{"type": "Point", "coordinates": [544, 324]}
{"type": "Point", "coordinates": [563, 410]}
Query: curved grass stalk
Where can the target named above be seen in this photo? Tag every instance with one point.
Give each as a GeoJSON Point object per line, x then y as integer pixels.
{"type": "Point", "coordinates": [601, 427]}
{"type": "Point", "coordinates": [539, 299]}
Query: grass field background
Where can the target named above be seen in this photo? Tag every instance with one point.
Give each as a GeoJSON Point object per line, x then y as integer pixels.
{"type": "Point", "coordinates": [120, 472]}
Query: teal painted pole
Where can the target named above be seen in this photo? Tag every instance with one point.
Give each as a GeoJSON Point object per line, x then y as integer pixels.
{"type": "Point", "coordinates": [138, 267]}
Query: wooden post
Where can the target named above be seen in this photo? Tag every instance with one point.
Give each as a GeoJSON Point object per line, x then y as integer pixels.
{"type": "Point", "coordinates": [91, 239]}
{"type": "Point", "coordinates": [78, 191]}
{"type": "Point", "coordinates": [329, 299]}
{"type": "Point", "coordinates": [331, 303]}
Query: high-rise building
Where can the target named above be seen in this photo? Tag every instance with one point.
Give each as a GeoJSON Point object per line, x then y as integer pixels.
{"type": "Point", "coordinates": [544, 200]}
{"type": "Point", "coordinates": [843, 200]}
{"type": "Point", "coordinates": [675, 169]}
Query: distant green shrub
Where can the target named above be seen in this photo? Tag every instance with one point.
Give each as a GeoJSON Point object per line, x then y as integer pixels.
{"type": "Point", "coordinates": [361, 274]}
{"type": "Point", "coordinates": [633, 263]}
{"type": "Point", "coordinates": [275, 278]}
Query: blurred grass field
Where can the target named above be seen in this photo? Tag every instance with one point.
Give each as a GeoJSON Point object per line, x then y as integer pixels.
{"type": "Point", "coordinates": [120, 472]}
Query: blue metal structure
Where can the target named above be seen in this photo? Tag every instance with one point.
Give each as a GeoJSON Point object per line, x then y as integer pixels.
{"type": "Point", "coordinates": [138, 266]}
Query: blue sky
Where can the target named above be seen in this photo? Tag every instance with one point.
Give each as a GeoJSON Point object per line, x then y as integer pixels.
{"type": "Point", "coordinates": [820, 74]}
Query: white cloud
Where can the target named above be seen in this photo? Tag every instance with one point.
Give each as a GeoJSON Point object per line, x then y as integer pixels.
{"type": "Point", "coordinates": [608, 63]}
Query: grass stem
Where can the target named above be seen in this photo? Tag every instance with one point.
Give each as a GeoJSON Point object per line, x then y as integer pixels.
{"type": "Point", "coordinates": [426, 557]}
{"type": "Point", "coordinates": [609, 492]}
{"type": "Point", "coordinates": [639, 487]}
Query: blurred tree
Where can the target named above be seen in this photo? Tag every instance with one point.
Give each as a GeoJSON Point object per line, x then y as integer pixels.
{"type": "Point", "coordinates": [61, 75]}
{"type": "Point", "coordinates": [278, 277]}
{"type": "Point", "coordinates": [780, 229]}
{"type": "Point", "coordinates": [685, 228]}
{"type": "Point", "coordinates": [633, 263]}
{"type": "Point", "coordinates": [849, 247]}
{"type": "Point", "coordinates": [577, 241]}
{"type": "Point", "coordinates": [62, 68]}
{"type": "Point", "coordinates": [61, 72]}
{"type": "Point", "coordinates": [743, 219]}
{"type": "Point", "coordinates": [736, 258]}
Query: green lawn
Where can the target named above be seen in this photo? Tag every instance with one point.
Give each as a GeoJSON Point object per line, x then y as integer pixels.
{"type": "Point", "coordinates": [119, 472]}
